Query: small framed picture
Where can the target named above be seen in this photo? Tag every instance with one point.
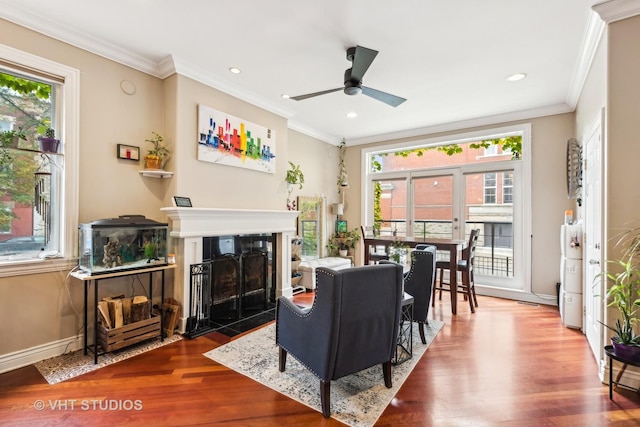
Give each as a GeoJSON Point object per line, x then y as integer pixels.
{"type": "Point", "coordinates": [182, 202]}
{"type": "Point", "coordinates": [128, 152]}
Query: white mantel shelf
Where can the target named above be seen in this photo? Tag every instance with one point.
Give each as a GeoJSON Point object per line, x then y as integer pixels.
{"type": "Point", "coordinates": [193, 222]}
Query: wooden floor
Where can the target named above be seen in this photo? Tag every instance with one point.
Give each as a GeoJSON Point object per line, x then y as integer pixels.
{"type": "Point", "coordinates": [509, 364]}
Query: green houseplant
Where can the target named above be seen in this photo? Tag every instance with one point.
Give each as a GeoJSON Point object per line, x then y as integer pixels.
{"type": "Point", "coordinates": [624, 294]}
{"type": "Point", "coordinates": [158, 155]}
{"type": "Point", "coordinates": [9, 139]}
{"type": "Point", "coordinates": [342, 242]}
{"type": "Point", "coordinates": [48, 141]}
{"type": "Point", "coordinates": [294, 177]}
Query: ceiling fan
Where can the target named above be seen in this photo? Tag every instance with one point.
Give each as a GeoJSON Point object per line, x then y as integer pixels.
{"type": "Point", "coordinates": [361, 57]}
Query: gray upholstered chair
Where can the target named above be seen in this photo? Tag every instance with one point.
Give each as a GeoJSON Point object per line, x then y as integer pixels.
{"type": "Point", "coordinates": [419, 282]}
{"type": "Point", "coordinates": [352, 325]}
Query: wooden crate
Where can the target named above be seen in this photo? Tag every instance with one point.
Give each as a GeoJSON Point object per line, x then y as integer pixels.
{"type": "Point", "coordinates": [133, 333]}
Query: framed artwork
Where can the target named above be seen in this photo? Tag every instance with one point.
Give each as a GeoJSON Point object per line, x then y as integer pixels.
{"type": "Point", "coordinates": [228, 140]}
{"type": "Point", "coordinates": [341, 226]}
{"type": "Point", "coordinates": [128, 152]}
{"type": "Point", "coordinates": [182, 202]}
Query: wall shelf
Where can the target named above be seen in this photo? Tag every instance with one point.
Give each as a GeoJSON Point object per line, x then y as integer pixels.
{"type": "Point", "coordinates": [155, 173]}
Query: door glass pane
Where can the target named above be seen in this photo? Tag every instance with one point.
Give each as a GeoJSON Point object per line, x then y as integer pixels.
{"type": "Point", "coordinates": [390, 207]}
{"type": "Point", "coordinates": [433, 207]}
{"type": "Point", "coordinates": [494, 217]}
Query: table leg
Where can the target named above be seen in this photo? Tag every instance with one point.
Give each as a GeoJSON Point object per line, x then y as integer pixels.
{"type": "Point", "coordinates": [162, 309]}
{"type": "Point", "coordinates": [86, 320]}
{"type": "Point", "coordinates": [95, 322]}
{"type": "Point", "coordinates": [453, 279]}
{"type": "Point", "coordinates": [610, 378]}
{"type": "Point", "coordinates": [367, 248]}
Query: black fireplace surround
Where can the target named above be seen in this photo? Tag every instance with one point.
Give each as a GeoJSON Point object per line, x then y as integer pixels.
{"type": "Point", "coordinates": [234, 282]}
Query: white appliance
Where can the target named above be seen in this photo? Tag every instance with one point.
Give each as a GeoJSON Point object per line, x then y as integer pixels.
{"type": "Point", "coordinates": [571, 275]}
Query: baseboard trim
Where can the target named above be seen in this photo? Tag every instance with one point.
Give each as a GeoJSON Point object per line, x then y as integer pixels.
{"type": "Point", "coordinates": [29, 356]}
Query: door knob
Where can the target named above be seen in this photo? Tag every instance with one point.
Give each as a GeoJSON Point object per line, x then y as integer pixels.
{"type": "Point", "coordinates": [594, 262]}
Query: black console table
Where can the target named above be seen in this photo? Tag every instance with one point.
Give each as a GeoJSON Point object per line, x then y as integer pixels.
{"type": "Point", "coordinates": [87, 279]}
{"type": "Point", "coordinates": [404, 345]}
{"type": "Point", "coordinates": [609, 351]}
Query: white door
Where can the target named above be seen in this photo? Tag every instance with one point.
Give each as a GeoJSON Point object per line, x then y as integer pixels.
{"type": "Point", "coordinates": [593, 220]}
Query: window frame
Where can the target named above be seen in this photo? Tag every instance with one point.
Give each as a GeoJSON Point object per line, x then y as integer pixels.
{"type": "Point", "coordinates": [69, 132]}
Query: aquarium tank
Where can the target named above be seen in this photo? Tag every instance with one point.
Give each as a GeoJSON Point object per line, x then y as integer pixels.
{"type": "Point", "coordinates": [124, 243]}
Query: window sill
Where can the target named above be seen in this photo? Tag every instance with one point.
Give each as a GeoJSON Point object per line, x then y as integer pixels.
{"type": "Point", "coordinates": [37, 266]}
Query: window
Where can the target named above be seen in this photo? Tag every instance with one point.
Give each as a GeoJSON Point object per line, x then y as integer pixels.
{"type": "Point", "coordinates": [490, 187]}
{"type": "Point", "coordinates": [38, 192]}
{"type": "Point", "coordinates": [507, 187]}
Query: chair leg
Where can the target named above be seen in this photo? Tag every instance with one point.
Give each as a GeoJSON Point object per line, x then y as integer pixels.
{"type": "Point", "coordinates": [325, 398]}
{"type": "Point", "coordinates": [282, 359]}
{"type": "Point", "coordinates": [386, 372]}
{"type": "Point", "coordinates": [466, 285]}
{"type": "Point", "coordinates": [421, 330]}
{"type": "Point", "coordinates": [473, 288]}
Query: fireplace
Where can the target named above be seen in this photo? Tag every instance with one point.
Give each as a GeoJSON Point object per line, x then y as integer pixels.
{"type": "Point", "coordinates": [189, 226]}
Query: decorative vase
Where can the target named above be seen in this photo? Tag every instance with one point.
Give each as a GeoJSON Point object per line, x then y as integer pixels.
{"type": "Point", "coordinates": [152, 162]}
{"type": "Point", "coordinates": [626, 352]}
{"type": "Point", "coordinates": [48, 145]}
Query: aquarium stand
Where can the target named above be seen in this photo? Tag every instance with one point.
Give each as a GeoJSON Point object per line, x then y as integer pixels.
{"type": "Point", "coordinates": [145, 329]}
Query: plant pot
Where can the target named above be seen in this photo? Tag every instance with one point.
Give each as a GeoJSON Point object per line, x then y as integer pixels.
{"type": "Point", "coordinates": [343, 252]}
{"type": "Point", "coordinates": [48, 145]}
{"type": "Point", "coordinates": [152, 162]}
{"type": "Point", "coordinates": [626, 352]}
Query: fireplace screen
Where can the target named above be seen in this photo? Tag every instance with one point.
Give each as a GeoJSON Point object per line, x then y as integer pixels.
{"type": "Point", "coordinates": [235, 282]}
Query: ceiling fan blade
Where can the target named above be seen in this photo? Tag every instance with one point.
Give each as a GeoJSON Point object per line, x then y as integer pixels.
{"type": "Point", "coordinates": [311, 95]}
{"type": "Point", "coordinates": [362, 59]}
{"type": "Point", "coordinates": [387, 98]}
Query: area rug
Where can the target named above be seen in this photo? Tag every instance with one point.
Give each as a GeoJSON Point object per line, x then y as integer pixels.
{"type": "Point", "coordinates": [357, 400]}
{"type": "Point", "coordinates": [70, 365]}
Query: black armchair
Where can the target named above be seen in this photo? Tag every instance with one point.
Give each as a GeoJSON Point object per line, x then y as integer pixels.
{"type": "Point", "coordinates": [419, 283]}
{"type": "Point", "coordinates": [352, 325]}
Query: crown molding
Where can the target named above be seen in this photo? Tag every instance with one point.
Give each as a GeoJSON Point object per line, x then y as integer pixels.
{"type": "Point", "coordinates": [314, 133]}
{"type": "Point", "coordinates": [23, 16]}
{"type": "Point", "coordinates": [593, 35]}
{"type": "Point", "coordinates": [466, 124]}
{"type": "Point", "coordinates": [616, 10]}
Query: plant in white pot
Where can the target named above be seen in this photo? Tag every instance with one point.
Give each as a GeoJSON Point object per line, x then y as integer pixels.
{"type": "Point", "coordinates": [294, 177]}
{"type": "Point", "coordinates": [624, 294]}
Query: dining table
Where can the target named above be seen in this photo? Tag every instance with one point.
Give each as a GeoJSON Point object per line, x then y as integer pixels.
{"type": "Point", "coordinates": [453, 246]}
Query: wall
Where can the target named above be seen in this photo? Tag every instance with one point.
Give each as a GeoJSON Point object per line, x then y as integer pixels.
{"type": "Point", "coordinates": [549, 198]}
{"type": "Point", "coordinates": [45, 310]}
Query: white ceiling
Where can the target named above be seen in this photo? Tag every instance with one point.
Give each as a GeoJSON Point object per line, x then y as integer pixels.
{"type": "Point", "coordinates": [450, 59]}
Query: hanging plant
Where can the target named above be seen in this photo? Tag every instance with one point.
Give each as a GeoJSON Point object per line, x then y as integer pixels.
{"type": "Point", "coordinates": [343, 177]}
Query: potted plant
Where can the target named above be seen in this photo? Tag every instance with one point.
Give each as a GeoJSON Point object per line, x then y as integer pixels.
{"type": "Point", "coordinates": [398, 252]}
{"type": "Point", "coordinates": [48, 142]}
{"type": "Point", "coordinates": [294, 177]}
{"type": "Point", "coordinates": [9, 139]}
{"type": "Point", "coordinates": [157, 156]}
{"type": "Point", "coordinates": [624, 294]}
{"type": "Point", "coordinates": [341, 243]}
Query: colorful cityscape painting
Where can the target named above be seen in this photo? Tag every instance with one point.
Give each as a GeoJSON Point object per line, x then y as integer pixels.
{"type": "Point", "coordinates": [228, 140]}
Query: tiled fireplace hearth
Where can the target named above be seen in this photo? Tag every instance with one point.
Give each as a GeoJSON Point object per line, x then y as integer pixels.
{"type": "Point", "coordinates": [188, 227]}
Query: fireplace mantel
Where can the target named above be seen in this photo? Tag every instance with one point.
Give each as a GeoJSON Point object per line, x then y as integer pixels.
{"type": "Point", "coordinates": [187, 227]}
{"type": "Point", "coordinates": [190, 222]}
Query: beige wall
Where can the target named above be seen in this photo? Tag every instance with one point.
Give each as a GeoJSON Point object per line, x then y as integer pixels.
{"type": "Point", "coordinates": [46, 308]}
{"type": "Point", "coordinates": [549, 198]}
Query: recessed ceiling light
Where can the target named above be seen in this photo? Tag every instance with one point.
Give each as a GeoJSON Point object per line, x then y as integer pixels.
{"type": "Point", "coordinates": [352, 115]}
{"type": "Point", "coordinates": [515, 77]}
{"type": "Point", "coordinates": [285, 96]}
{"type": "Point", "coordinates": [235, 70]}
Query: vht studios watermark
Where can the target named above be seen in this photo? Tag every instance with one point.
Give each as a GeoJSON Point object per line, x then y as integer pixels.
{"type": "Point", "coordinates": [88, 405]}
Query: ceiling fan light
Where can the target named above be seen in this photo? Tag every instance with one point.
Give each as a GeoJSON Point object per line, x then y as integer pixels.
{"type": "Point", "coordinates": [353, 90]}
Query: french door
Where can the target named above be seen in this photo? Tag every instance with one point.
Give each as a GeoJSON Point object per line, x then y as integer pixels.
{"type": "Point", "coordinates": [448, 203]}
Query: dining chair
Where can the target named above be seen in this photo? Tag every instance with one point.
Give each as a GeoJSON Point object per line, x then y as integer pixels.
{"type": "Point", "coordinates": [465, 266]}
{"type": "Point", "coordinates": [376, 253]}
{"type": "Point", "coordinates": [419, 281]}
